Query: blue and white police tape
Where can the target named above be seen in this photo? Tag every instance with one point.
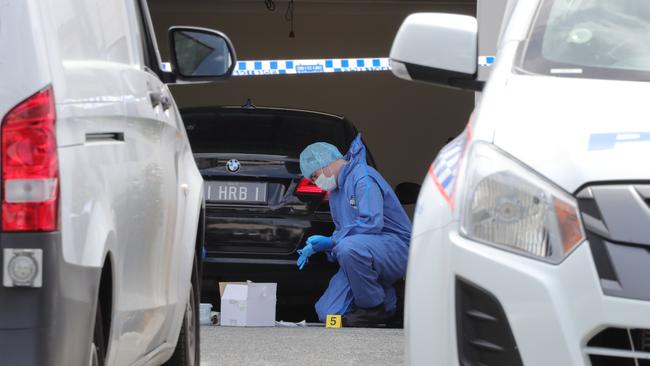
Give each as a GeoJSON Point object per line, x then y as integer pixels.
{"type": "Point", "coordinates": [486, 61]}
{"type": "Point", "coordinates": [315, 66]}
{"type": "Point", "coordinates": [332, 65]}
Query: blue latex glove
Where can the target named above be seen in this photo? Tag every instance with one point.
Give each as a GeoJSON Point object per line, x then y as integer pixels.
{"type": "Point", "coordinates": [305, 253]}
{"type": "Point", "coordinates": [320, 243]}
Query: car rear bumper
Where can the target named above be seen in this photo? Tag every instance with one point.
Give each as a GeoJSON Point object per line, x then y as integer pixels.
{"type": "Point", "coordinates": [554, 312]}
{"type": "Point", "coordinates": [50, 325]}
{"type": "Point", "coordinates": [267, 236]}
{"type": "Point", "coordinates": [262, 248]}
{"type": "Point", "coordinates": [227, 266]}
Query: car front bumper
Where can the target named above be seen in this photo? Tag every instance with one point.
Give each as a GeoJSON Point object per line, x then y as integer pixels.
{"type": "Point", "coordinates": [552, 311]}
{"type": "Point", "coordinates": [52, 324]}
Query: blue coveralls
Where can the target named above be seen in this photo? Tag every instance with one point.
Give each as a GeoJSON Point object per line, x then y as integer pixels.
{"type": "Point", "coordinates": [371, 239]}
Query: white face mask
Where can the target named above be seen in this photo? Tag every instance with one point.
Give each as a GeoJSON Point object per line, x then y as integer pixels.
{"type": "Point", "coordinates": [326, 183]}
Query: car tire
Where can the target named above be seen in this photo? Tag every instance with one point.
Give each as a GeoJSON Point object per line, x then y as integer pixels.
{"type": "Point", "coordinates": [97, 347]}
{"type": "Point", "coordinates": [188, 351]}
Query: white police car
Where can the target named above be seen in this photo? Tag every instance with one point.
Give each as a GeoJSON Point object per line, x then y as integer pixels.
{"type": "Point", "coordinates": [531, 240]}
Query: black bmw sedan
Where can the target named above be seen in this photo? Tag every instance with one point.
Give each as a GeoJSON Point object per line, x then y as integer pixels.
{"type": "Point", "coordinates": [259, 208]}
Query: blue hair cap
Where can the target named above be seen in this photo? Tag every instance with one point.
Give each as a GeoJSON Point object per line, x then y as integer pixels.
{"type": "Point", "coordinates": [317, 156]}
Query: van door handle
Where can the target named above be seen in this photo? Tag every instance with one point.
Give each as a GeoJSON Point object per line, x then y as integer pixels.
{"type": "Point", "coordinates": [160, 99]}
{"type": "Point", "coordinates": [105, 136]}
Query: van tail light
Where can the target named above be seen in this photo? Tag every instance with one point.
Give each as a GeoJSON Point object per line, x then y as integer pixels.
{"type": "Point", "coordinates": [306, 187]}
{"type": "Point", "coordinates": [30, 169]}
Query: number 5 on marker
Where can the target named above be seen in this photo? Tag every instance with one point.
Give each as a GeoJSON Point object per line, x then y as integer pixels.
{"type": "Point", "coordinates": [333, 321]}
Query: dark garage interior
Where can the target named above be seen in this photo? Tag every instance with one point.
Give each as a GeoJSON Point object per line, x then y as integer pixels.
{"type": "Point", "coordinates": [403, 124]}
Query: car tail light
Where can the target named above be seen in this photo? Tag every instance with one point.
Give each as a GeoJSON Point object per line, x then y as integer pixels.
{"type": "Point", "coordinates": [306, 187]}
{"type": "Point", "coordinates": [30, 170]}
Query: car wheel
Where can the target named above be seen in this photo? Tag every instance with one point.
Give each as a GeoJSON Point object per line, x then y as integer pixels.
{"type": "Point", "coordinates": [187, 352]}
{"type": "Point", "coordinates": [97, 346]}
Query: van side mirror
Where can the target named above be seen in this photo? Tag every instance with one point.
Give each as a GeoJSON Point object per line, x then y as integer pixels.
{"type": "Point", "coordinates": [437, 48]}
{"type": "Point", "coordinates": [200, 54]}
{"type": "Point", "coordinates": [407, 193]}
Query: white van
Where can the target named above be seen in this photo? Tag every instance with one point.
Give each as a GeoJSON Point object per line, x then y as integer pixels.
{"type": "Point", "coordinates": [531, 238]}
{"type": "Point", "coordinates": [101, 198]}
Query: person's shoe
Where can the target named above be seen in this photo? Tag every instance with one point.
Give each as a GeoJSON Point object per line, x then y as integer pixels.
{"type": "Point", "coordinates": [368, 318]}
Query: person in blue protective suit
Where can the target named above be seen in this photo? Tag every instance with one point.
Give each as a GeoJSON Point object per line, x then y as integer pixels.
{"type": "Point", "coordinates": [371, 238]}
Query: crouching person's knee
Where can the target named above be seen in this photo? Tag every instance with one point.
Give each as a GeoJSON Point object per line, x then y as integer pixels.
{"type": "Point", "coordinates": [348, 249]}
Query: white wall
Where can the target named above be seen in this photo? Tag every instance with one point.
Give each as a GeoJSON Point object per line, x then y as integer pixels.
{"type": "Point", "coordinates": [404, 124]}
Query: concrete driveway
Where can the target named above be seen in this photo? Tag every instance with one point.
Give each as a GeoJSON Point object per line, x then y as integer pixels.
{"type": "Point", "coordinates": [225, 346]}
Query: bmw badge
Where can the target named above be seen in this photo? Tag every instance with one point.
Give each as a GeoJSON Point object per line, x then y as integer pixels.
{"type": "Point", "coordinates": [233, 165]}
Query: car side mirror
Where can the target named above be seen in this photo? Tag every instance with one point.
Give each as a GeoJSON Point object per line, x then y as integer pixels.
{"type": "Point", "coordinates": [407, 193]}
{"type": "Point", "coordinates": [200, 54]}
{"type": "Point", "coordinates": [437, 48]}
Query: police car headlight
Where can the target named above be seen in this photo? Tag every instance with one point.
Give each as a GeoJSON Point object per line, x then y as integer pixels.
{"type": "Point", "coordinates": [508, 205]}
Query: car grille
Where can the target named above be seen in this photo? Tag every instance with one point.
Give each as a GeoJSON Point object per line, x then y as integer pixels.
{"type": "Point", "coordinates": [620, 347]}
{"type": "Point", "coordinates": [617, 224]}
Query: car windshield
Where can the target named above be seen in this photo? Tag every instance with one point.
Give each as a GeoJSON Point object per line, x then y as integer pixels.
{"type": "Point", "coordinates": [604, 39]}
{"type": "Point", "coordinates": [272, 133]}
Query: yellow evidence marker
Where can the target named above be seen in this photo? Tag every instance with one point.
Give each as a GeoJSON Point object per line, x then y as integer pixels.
{"type": "Point", "coordinates": [333, 321]}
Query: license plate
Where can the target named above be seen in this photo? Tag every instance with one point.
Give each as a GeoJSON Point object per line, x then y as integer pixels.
{"type": "Point", "coordinates": [240, 192]}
